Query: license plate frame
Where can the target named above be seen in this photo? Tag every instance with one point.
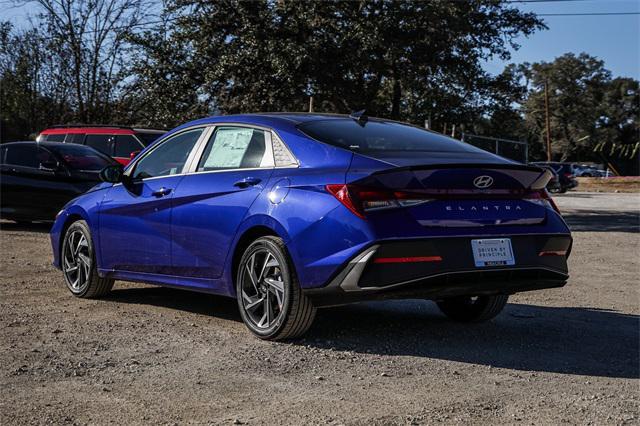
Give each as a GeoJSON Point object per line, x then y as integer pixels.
{"type": "Point", "coordinates": [488, 252]}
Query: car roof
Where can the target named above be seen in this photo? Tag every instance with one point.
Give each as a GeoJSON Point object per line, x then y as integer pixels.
{"type": "Point", "coordinates": [287, 121]}
{"type": "Point", "coordinates": [98, 130]}
{"type": "Point", "coordinates": [291, 118]}
{"type": "Point", "coordinates": [45, 144]}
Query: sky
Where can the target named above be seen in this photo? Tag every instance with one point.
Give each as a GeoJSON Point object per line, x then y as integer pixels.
{"type": "Point", "coordinates": [613, 38]}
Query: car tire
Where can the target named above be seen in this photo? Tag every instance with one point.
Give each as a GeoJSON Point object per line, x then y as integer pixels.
{"type": "Point", "coordinates": [271, 302]}
{"type": "Point", "coordinates": [473, 309]}
{"type": "Point", "coordinates": [78, 261]}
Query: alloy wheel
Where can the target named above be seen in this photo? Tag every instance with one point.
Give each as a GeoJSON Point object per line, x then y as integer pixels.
{"type": "Point", "coordinates": [77, 261]}
{"type": "Point", "coordinates": [263, 289]}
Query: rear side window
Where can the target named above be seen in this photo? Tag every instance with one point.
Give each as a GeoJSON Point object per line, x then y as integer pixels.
{"type": "Point", "coordinates": [102, 143]}
{"type": "Point", "coordinates": [56, 138]}
{"type": "Point", "coordinates": [125, 145]}
{"type": "Point", "coordinates": [75, 138]}
{"type": "Point", "coordinates": [376, 136]}
{"type": "Point", "coordinates": [234, 148]}
{"type": "Point", "coordinates": [22, 155]}
{"type": "Point", "coordinates": [147, 138]}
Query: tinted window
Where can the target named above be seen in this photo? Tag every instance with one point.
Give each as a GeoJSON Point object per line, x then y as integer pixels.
{"type": "Point", "coordinates": [45, 157]}
{"type": "Point", "coordinates": [169, 158]}
{"type": "Point", "coordinates": [380, 136]}
{"type": "Point", "coordinates": [74, 138]}
{"type": "Point", "coordinates": [102, 143]}
{"type": "Point", "coordinates": [79, 157]}
{"type": "Point", "coordinates": [22, 155]}
{"type": "Point", "coordinates": [233, 148]}
{"type": "Point", "coordinates": [125, 145]}
{"type": "Point", "coordinates": [56, 138]}
{"type": "Point", "coordinates": [147, 138]}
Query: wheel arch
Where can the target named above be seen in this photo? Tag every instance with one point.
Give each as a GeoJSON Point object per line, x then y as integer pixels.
{"type": "Point", "coordinates": [68, 221]}
{"type": "Point", "coordinates": [70, 216]}
{"type": "Point", "coordinates": [248, 232]}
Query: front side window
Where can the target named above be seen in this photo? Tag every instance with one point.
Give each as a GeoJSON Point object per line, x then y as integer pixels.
{"type": "Point", "coordinates": [235, 148]}
{"type": "Point", "coordinates": [22, 155]}
{"type": "Point", "coordinates": [101, 143]}
{"type": "Point", "coordinates": [169, 158]}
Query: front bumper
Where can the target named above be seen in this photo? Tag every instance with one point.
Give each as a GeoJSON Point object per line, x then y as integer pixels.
{"type": "Point", "coordinates": [455, 274]}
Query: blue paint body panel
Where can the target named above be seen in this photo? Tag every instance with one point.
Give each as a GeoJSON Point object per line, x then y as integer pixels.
{"type": "Point", "coordinates": [188, 238]}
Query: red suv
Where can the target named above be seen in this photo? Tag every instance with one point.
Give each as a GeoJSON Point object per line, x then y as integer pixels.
{"type": "Point", "coordinates": [121, 143]}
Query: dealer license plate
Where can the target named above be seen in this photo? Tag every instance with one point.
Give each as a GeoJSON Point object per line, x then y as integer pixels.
{"type": "Point", "coordinates": [492, 252]}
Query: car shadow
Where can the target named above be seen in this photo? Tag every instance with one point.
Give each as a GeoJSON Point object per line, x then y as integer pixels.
{"type": "Point", "coordinates": [565, 340]}
{"type": "Point", "coordinates": [603, 221]}
{"type": "Point", "coordinates": [39, 227]}
{"type": "Point", "coordinates": [183, 300]}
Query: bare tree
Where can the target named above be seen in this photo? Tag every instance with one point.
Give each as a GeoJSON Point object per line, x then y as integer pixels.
{"type": "Point", "coordinates": [88, 37]}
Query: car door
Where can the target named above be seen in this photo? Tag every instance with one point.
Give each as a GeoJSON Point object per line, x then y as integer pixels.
{"type": "Point", "coordinates": [211, 202]}
{"type": "Point", "coordinates": [135, 216]}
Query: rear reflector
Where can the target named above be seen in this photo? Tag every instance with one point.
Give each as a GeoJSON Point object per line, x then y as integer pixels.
{"type": "Point", "coordinates": [408, 259]}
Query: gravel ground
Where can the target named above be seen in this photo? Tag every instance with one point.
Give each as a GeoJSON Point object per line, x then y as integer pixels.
{"type": "Point", "coordinates": [161, 356]}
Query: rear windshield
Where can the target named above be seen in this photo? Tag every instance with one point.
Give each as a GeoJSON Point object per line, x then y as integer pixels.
{"type": "Point", "coordinates": [79, 157]}
{"type": "Point", "coordinates": [378, 136]}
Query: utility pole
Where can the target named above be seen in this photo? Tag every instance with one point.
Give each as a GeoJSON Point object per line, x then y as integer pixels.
{"type": "Point", "coordinates": [547, 118]}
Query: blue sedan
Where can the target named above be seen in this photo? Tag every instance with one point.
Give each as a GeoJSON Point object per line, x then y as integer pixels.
{"type": "Point", "coordinates": [291, 212]}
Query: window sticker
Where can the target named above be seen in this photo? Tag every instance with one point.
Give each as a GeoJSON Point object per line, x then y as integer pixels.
{"type": "Point", "coordinates": [228, 148]}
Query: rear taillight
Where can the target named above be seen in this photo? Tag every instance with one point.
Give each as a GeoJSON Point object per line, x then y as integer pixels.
{"type": "Point", "coordinates": [569, 175]}
{"type": "Point", "coordinates": [361, 200]}
{"type": "Point", "coordinates": [543, 198]}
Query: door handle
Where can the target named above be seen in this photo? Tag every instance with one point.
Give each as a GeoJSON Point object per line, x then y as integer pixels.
{"type": "Point", "coordinates": [161, 192]}
{"type": "Point", "coordinates": [247, 182]}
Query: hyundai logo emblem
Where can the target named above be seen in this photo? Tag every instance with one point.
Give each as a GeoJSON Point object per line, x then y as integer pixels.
{"type": "Point", "coordinates": [483, 181]}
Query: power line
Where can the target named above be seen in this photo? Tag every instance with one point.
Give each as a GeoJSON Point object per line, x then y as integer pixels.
{"type": "Point", "coordinates": [175, 18]}
{"type": "Point", "coordinates": [544, 1]}
{"type": "Point", "coordinates": [589, 14]}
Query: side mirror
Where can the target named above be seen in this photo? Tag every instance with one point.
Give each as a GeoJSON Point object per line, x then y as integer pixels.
{"type": "Point", "coordinates": [133, 155]}
{"type": "Point", "coordinates": [49, 166]}
{"type": "Point", "coordinates": [112, 174]}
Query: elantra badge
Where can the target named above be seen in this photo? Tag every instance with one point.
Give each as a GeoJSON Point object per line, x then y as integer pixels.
{"type": "Point", "coordinates": [483, 181]}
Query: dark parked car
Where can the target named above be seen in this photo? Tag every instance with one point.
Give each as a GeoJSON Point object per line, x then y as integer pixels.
{"type": "Point", "coordinates": [38, 179]}
{"type": "Point", "coordinates": [566, 174]}
{"type": "Point", "coordinates": [554, 183]}
{"type": "Point", "coordinates": [120, 143]}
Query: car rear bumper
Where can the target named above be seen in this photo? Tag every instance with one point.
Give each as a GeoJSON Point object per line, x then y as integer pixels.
{"type": "Point", "coordinates": [446, 269]}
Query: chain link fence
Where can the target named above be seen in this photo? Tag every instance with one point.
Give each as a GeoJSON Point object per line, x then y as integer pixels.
{"type": "Point", "coordinates": [515, 150]}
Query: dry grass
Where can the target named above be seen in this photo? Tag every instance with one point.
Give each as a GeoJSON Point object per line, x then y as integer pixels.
{"type": "Point", "coordinates": [612, 184]}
